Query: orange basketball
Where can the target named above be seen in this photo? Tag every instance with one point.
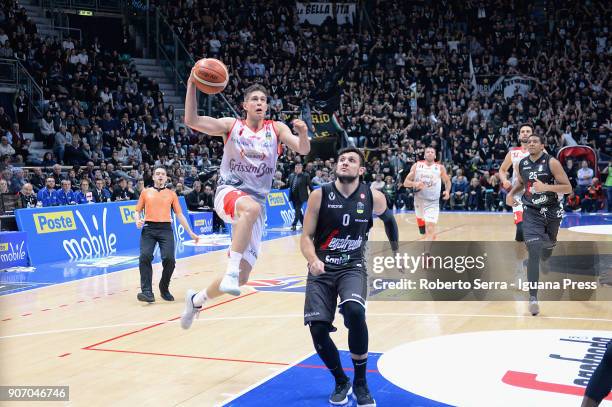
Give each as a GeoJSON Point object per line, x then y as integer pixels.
{"type": "Point", "coordinates": [210, 75]}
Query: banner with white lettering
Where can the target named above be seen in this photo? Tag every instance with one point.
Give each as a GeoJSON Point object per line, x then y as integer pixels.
{"type": "Point", "coordinates": [75, 232]}
{"type": "Point", "coordinates": [517, 84]}
{"type": "Point", "coordinates": [317, 13]}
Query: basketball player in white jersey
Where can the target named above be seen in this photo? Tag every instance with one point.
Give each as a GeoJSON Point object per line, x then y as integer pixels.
{"type": "Point", "coordinates": [512, 159]}
{"type": "Point", "coordinates": [252, 146]}
{"type": "Point", "coordinates": [425, 177]}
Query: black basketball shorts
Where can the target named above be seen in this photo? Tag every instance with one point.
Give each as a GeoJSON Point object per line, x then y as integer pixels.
{"type": "Point", "coordinates": [322, 293]}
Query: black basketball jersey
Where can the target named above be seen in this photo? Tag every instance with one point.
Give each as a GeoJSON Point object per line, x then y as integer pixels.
{"type": "Point", "coordinates": [540, 169]}
{"type": "Point", "coordinates": [342, 227]}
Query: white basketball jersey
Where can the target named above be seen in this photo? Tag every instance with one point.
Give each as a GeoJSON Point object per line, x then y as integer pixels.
{"type": "Point", "coordinates": [249, 159]}
{"type": "Point", "coordinates": [430, 175]}
{"type": "Point", "coordinates": [517, 154]}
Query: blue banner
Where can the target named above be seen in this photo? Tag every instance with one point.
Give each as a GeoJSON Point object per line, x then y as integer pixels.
{"type": "Point", "coordinates": [279, 209]}
{"type": "Point", "coordinates": [13, 249]}
{"type": "Point", "coordinates": [201, 222]}
{"type": "Point", "coordinates": [77, 232]}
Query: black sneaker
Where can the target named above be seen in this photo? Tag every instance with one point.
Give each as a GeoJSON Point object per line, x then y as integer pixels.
{"type": "Point", "coordinates": [166, 295]}
{"type": "Point", "coordinates": [146, 297]}
{"type": "Point", "coordinates": [363, 396]}
{"type": "Point", "coordinates": [341, 393]}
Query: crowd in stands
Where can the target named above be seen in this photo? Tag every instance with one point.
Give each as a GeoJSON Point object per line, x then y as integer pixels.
{"type": "Point", "coordinates": [111, 125]}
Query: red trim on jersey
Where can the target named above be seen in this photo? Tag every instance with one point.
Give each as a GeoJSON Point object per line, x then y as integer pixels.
{"type": "Point", "coordinates": [229, 134]}
{"type": "Point", "coordinates": [229, 201]}
{"type": "Point", "coordinates": [425, 162]}
{"type": "Point", "coordinates": [327, 241]}
{"type": "Point", "coordinates": [259, 129]}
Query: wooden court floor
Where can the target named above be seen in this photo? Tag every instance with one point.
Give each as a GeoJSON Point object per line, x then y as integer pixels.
{"type": "Point", "coordinates": [111, 350]}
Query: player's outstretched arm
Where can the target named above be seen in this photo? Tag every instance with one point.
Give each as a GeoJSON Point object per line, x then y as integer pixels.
{"type": "Point", "coordinates": [300, 144]}
{"type": "Point", "coordinates": [204, 124]}
{"type": "Point", "coordinates": [380, 209]}
{"type": "Point", "coordinates": [315, 265]}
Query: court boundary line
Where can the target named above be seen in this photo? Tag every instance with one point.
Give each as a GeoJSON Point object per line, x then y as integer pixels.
{"type": "Point", "coordinates": [90, 347]}
{"type": "Point", "coordinates": [254, 317]}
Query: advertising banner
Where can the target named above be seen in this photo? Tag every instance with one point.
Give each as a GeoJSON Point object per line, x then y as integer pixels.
{"type": "Point", "coordinates": [316, 13]}
{"type": "Point", "coordinates": [279, 209]}
{"type": "Point", "coordinates": [84, 231]}
{"type": "Point", "coordinates": [201, 222]}
{"type": "Point", "coordinates": [13, 250]}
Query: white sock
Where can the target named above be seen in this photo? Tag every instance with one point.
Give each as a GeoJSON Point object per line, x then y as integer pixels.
{"type": "Point", "coordinates": [233, 265]}
{"type": "Point", "coordinates": [200, 298]}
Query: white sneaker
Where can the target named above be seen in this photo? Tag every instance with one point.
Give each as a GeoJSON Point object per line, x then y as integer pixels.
{"type": "Point", "coordinates": [191, 311]}
{"type": "Point", "coordinates": [534, 307]}
{"type": "Point", "coordinates": [229, 284]}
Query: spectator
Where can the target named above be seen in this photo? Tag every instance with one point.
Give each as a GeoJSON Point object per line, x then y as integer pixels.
{"type": "Point", "coordinates": [48, 160]}
{"type": "Point", "coordinates": [100, 192]}
{"type": "Point", "coordinates": [5, 147]}
{"type": "Point", "coordinates": [299, 188]}
{"type": "Point", "coordinates": [608, 185]}
{"type": "Point", "coordinates": [48, 196]}
{"type": "Point", "coordinates": [18, 180]}
{"type": "Point", "coordinates": [62, 137]}
{"type": "Point", "coordinates": [121, 192]}
{"type": "Point", "coordinates": [277, 182]}
{"type": "Point", "coordinates": [4, 189]}
{"type": "Point", "coordinates": [66, 195]}
{"type": "Point", "coordinates": [571, 172]}
{"type": "Point", "coordinates": [84, 195]}
{"type": "Point", "coordinates": [195, 199]}
{"type": "Point", "coordinates": [27, 197]}
{"type": "Point", "coordinates": [585, 179]}
{"type": "Point", "coordinates": [378, 184]}
{"type": "Point", "coordinates": [572, 203]}
{"type": "Point", "coordinates": [475, 195]}
{"type": "Point", "coordinates": [594, 197]}
{"type": "Point", "coordinates": [459, 190]}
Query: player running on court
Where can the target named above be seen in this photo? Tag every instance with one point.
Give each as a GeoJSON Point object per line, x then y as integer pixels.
{"type": "Point", "coordinates": [425, 177]}
{"type": "Point", "coordinates": [252, 146]}
{"type": "Point", "coordinates": [542, 177]}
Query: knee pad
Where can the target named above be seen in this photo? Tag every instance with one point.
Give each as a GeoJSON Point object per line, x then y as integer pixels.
{"type": "Point", "coordinates": [319, 330]}
{"type": "Point", "coordinates": [354, 315]}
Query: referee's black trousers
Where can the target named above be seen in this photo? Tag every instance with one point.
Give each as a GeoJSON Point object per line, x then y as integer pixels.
{"type": "Point", "coordinates": [152, 233]}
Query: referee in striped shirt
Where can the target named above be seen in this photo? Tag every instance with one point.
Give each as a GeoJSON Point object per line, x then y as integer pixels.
{"type": "Point", "coordinates": [156, 228]}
